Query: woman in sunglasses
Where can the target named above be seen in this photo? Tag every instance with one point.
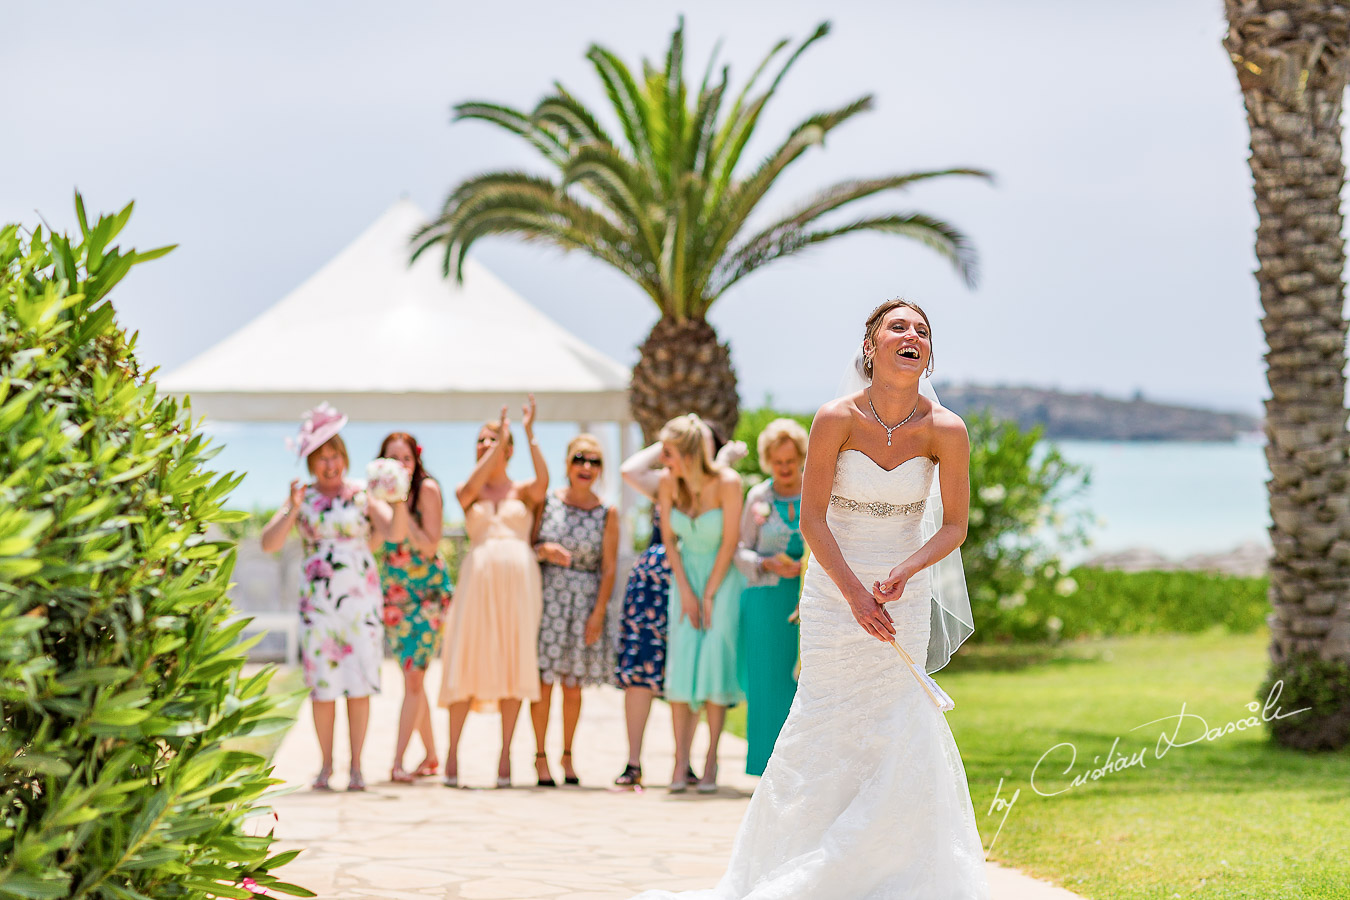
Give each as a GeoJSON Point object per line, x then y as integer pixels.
{"type": "Point", "coordinates": [577, 542]}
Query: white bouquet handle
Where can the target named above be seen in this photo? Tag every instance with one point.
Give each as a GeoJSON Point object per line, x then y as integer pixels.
{"type": "Point", "coordinates": [387, 480]}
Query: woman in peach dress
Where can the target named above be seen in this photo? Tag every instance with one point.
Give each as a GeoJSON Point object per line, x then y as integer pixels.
{"type": "Point", "coordinates": [489, 653]}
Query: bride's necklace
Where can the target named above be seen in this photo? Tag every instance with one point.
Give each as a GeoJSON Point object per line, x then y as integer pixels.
{"type": "Point", "coordinates": [890, 428]}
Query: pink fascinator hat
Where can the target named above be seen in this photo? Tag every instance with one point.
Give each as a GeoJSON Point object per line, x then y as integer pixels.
{"type": "Point", "coordinates": [316, 426]}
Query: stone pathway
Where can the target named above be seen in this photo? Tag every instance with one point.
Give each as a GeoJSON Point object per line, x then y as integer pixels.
{"type": "Point", "coordinates": [479, 843]}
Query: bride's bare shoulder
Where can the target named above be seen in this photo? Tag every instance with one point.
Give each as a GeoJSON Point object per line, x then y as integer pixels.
{"type": "Point", "coordinates": [833, 423]}
{"type": "Point", "coordinates": [839, 411]}
{"type": "Point", "coordinates": [949, 429]}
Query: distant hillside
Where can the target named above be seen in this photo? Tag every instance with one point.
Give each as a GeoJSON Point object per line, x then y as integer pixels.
{"type": "Point", "coordinates": [1094, 417]}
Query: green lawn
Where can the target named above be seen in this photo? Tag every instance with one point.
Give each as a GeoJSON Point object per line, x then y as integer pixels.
{"type": "Point", "coordinates": [1232, 817]}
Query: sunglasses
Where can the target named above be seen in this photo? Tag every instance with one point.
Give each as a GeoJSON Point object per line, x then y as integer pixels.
{"type": "Point", "coordinates": [582, 459]}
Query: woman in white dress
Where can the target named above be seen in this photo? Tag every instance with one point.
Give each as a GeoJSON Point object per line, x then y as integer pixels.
{"type": "Point", "coordinates": [865, 796]}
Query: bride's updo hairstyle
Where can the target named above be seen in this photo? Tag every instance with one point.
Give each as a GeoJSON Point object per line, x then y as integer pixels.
{"type": "Point", "coordinates": [692, 439]}
{"type": "Point", "coordinates": [874, 325]}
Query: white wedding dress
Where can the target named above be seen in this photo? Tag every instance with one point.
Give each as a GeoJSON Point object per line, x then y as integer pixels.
{"type": "Point", "coordinates": [865, 796]}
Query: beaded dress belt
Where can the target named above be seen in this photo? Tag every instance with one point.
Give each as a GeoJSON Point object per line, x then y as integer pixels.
{"type": "Point", "coordinates": [876, 508]}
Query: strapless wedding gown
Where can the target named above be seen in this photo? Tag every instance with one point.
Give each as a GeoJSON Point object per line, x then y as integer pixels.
{"type": "Point", "coordinates": [865, 796]}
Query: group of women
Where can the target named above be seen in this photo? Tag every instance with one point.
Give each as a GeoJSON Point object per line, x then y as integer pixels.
{"type": "Point", "coordinates": [708, 615]}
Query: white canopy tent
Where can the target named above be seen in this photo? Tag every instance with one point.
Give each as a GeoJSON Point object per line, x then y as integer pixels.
{"type": "Point", "coordinates": [385, 341]}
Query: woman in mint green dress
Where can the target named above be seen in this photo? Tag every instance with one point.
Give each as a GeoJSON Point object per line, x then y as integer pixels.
{"type": "Point", "coordinates": [700, 505]}
{"type": "Point", "coordinates": [770, 558]}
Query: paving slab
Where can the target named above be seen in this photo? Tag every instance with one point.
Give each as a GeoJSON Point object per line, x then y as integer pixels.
{"type": "Point", "coordinates": [478, 842]}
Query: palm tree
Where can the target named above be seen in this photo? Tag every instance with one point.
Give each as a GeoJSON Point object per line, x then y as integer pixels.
{"type": "Point", "coordinates": [1292, 61]}
{"type": "Point", "coordinates": [668, 207]}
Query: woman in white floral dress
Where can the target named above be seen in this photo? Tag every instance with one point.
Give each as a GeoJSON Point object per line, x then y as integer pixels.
{"type": "Point", "coordinates": [341, 626]}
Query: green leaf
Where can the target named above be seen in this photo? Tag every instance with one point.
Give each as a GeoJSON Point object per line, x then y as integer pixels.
{"type": "Point", "coordinates": [79, 214]}
{"type": "Point", "coordinates": [36, 763]}
{"type": "Point", "coordinates": [153, 254]}
{"type": "Point", "coordinates": [49, 886]}
{"type": "Point", "coordinates": [119, 716]}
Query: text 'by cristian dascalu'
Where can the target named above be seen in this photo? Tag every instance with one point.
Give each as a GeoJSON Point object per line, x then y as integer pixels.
{"type": "Point", "coordinates": [1196, 729]}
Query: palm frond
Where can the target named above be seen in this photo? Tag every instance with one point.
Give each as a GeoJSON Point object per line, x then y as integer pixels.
{"type": "Point", "coordinates": [675, 112]}
{"type": "Point", "coordinates": [540, 228]}
{"type": "Point", "coordinates": [703, 127]}
{"type": "Point", "coordinates": [734, 114]}
{"type": "Point", "coordinates": [728, 149]}
{"type": "Point", "coordinates": [627, 101]}
{"type": "Point", "coordinates": [669, 202]}
{"type": "Point", "coordinates": [837, 196]}
{"type": "Point", "coordinates": [571, 117]}
{"type": "Point", "coordinates": [497, 197]}
{"type": "Point", "coordinates": [613, 180]}
{"type": "Point", "coordinates": [712, 64]}
{"type": "Point", "coordinates": [516, 122]}
{"type": "Point", "coordinates": [949, 242]}
{"type": "Point", "coordinates": [734, 207]}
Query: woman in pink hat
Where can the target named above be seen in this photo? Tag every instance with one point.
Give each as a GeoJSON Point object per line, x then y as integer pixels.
{"type": "Point", "coordinates": [341, 627]}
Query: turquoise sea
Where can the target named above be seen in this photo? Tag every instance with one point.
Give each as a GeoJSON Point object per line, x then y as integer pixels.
{"type": "Point", "coordinates": [1175, 498]}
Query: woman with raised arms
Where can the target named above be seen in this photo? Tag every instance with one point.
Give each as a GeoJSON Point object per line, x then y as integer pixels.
{"type": "Point", "coordinates": [489, 654]}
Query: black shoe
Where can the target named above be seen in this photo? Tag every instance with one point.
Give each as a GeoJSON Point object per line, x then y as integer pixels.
{"type": "Point", "coordinates": [631, 777]}
{"type": "Point", "coordinates": [545, 782]}
{"type": "Point", "coordinates": [570, 779]}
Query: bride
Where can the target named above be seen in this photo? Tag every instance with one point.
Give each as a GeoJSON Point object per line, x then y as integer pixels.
{"type": "Point", "coordinates": [865, 796]}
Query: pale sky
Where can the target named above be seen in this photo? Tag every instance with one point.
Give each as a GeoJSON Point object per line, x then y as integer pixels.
{"type": "Point", "coordinates": [1116, 243]}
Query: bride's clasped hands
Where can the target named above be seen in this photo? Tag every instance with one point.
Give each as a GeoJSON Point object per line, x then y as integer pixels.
{"type": "Point", "coordinates": [871, 615]}
{"type": "Point", "coordinates": [867, 606]}
{"type": "Point", "coordinates": [893, 586]}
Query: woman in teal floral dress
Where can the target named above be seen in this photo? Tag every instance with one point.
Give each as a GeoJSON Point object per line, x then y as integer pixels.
{"type": "Point", "coordinates": [341, 628]}
{"type": "Point", "coordinates": [417, 591]}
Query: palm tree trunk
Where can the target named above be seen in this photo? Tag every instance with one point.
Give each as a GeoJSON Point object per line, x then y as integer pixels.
{"type": "Point", "coordinates": [682, 369]}
{"type": "Point", "coordinates": [1290, 60]}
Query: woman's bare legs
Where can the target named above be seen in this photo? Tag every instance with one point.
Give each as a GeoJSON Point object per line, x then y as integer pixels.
{"type": "Point", "coordinates": [358, 717]}
{"type": "Point", "coordinates": [325, 715]}
{"type": "Point", "coordinates": [717, 717]}
{"type": "Point", "coordinates": [571, 715]}
{"type": "Point", "coordinates": [424, 729]}
{"type": "Point", "coordinates": [683, 719]}
{"type": "Point", "coordinates": [458, 713]}
{"type": "Point", "coordinates": [637, 707]}
{"type": "Point", "coordinates": [539, 711]}
{"type": "Point", "coordinates": [510, 713]}
{"type": "Point", "coordinates": [415, 714]}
